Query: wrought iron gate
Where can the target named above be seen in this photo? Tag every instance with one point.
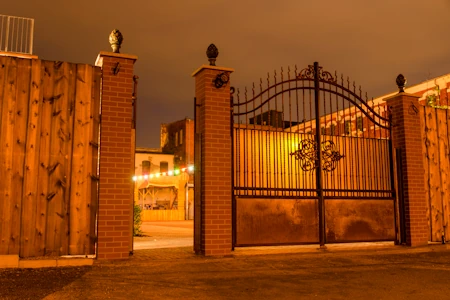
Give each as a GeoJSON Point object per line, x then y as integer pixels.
{"type": "Point", "coordinates": [312, 162]}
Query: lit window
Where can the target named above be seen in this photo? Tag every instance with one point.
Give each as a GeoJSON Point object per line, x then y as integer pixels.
{"type": "Point", "coordinates": [163, 166]}
{"type": "Point", "coordinates": [359, 123]}
{"type": "Point", "coordinates": [181, 136]}
{"type": "Point", "coordinates": [347, 127]}
{"type": "Point", "coordinates": [333, 129]}
{"type": "Point", "coordinates": [176, 138]}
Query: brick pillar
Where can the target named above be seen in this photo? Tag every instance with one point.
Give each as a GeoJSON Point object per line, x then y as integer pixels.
{"type": "Point", "coordinates": [115, 198]}
{"type": "Point", "coordinates": [213, 124]}
{"type": "Point", "coordinates": [406, 135]}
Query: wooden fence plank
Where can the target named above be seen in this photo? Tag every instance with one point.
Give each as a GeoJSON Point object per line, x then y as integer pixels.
{"type": "Point", "coordinates": [2, 86]}
{"type": "Point", "coordinates": [56, 168]}
{"type": "Point", "coordinates": [30, 185]}
{"type": "Point", "coordinates": [70, 72]}
{"type": "Point", "coordinates": [6, 165]}
{"type": "Point", "coordinates": [446, 198]}
{"type": "Point", "coordinates": [94, 143]}
{"type": "Point", "coordinates": [81, 164]}
{"type": "Point", "coordinates": [6, 127]}
{"type": "Point", "coordinates": [426, 163]}
{"type": "Point", "coordinates": [3, 108]}
{"type": "Point", "coordinates": [44, 159]}
{"type": "Point", "coordinates": [434, 175]}
{"type": "Point", "coordinates": [20, 133]}
{"type": "Point", "coordinates": [443, 163]}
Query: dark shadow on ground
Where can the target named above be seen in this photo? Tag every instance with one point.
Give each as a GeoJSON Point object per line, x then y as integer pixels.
{"type": "Point", "coordinates": [37, 283]}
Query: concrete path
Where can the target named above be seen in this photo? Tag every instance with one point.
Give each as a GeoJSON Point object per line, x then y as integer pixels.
{"type": "Point", "coordinates": [165, 235]}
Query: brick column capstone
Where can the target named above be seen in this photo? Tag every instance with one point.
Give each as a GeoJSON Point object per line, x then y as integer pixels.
{"type": "Point", "coordinates": [213, 123]}
{"type": "Point", "coordinates": [406, 135]}
{"type": "Point", "coordinates": [116, 140]}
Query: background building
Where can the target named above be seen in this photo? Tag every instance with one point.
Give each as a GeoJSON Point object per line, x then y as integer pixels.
{"type": "Point", "coordinates": [177, 138]}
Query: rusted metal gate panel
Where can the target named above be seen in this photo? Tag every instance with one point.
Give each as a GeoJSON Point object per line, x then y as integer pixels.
{"type": "Point", "coordinates": [312, 162]}
{"type": "Point", "coordinates": [49, 119]}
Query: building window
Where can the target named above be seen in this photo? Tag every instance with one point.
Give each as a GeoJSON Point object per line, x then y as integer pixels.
{"type": "Point", "coordinates": [181, 136]}
{"type": "Point", "coordinates": [163, 166]}
{"type": "Point", "coordinates": [145, 167]}
{"type": "Point", "coordinates": [347, 127]}
{"type": "Point", "coordinates": [333, 129]}
{"type": "Point", "coordinates": [176, 139]}
{"type": "Point", "coordinates": [359, 123]}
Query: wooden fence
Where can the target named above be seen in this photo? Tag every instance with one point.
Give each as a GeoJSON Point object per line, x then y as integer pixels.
{"type": "Point", "coordinates": [436, 137]}
{"type": "Point", "coordinates": [49, 135]}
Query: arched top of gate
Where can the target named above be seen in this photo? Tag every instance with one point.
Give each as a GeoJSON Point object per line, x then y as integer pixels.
{"type": "Point", "coordinates": [306, 79]}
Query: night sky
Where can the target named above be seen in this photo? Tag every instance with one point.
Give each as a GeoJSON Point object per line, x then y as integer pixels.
{"type": "Point", "coordinates": [369, 41]}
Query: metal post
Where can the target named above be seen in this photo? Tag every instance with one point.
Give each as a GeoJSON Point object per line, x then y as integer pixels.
{"type": "Point", "coordinates": [7, 34]}
{"type": "Point", "coordinates": [319, 158]}
{"type": "Point", "coordinates": [233, 198]}
{"type": "Point", "coordinates": [31, 36]}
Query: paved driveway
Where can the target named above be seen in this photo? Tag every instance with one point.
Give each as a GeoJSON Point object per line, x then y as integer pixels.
{"type": "Point", "coordinates": [357, 272]}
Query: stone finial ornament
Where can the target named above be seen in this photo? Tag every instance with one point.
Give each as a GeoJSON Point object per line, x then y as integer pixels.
{"type": "Point", "coordinates": [401, 83]}
{"type": "Point", "coordinates": [115, 39]}
{"type": "Point", "coordinates": [212, 52]}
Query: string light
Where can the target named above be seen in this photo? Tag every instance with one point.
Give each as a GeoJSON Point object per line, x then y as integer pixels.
{"type": "Point", "coordinates": [169, 173]}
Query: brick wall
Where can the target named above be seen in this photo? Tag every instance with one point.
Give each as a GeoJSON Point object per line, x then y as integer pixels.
{"type": "Point", "coordinates": [213, 123]}
{"type": "Point", "coordinates": [407, 136]}
{"type": "Point", "coordinates": [115, 196]}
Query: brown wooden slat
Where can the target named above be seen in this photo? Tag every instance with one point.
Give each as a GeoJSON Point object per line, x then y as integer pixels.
{"type": "Point", "coordinates": [434, 175]}
{"type": "Point", "coordinates": [44, 159]}
{"type": "Point", "coordinates": [446, 170]}
{"type": "Point", "coordinates": [20, 135]}
{"type": "Point", "coordinates": [70, 72]}
{"type": "Point", "coordinates": [56, 167]}
{"type": "Point", "coordinates": [426, 165]}
{"type": "Point", "coordinates": [30, 185]}
{"type": "Point", "coordinates": [81, 164]}
{"type": "Point", "coordinates": [3, 188]}
{"type": "Point", "coordinates": [2, 86]}
{"type": "Point", "coordinates": [95, 140]}
{"type": "Point", "coordinates": [6, 163]}
{"type": "Point", "coordinates": [443, 163]}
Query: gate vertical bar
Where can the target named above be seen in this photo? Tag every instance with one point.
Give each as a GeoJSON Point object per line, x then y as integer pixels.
{"type": "Point", "coordinates": [401, 199]}
{"type": "Point", "coordinates": [233, 197]}
{"type": "Point", "coordinates": [319, 158]}
{"type": "Point", "coordinates": [392, 181]}
{"type": "Point", "coordinates": [197, 181]}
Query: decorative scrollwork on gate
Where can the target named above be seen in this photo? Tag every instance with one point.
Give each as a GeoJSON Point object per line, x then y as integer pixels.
{"type": "Point", "coordinates": [307, 155]}
{"type": "Point", "coordinates": [330, 156]}
{"type": "Point", "coordinates": [308, 73]}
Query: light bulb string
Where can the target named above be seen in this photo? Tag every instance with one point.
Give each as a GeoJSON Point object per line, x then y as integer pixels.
{"type": "Point", "coordinates": [174, 172]}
